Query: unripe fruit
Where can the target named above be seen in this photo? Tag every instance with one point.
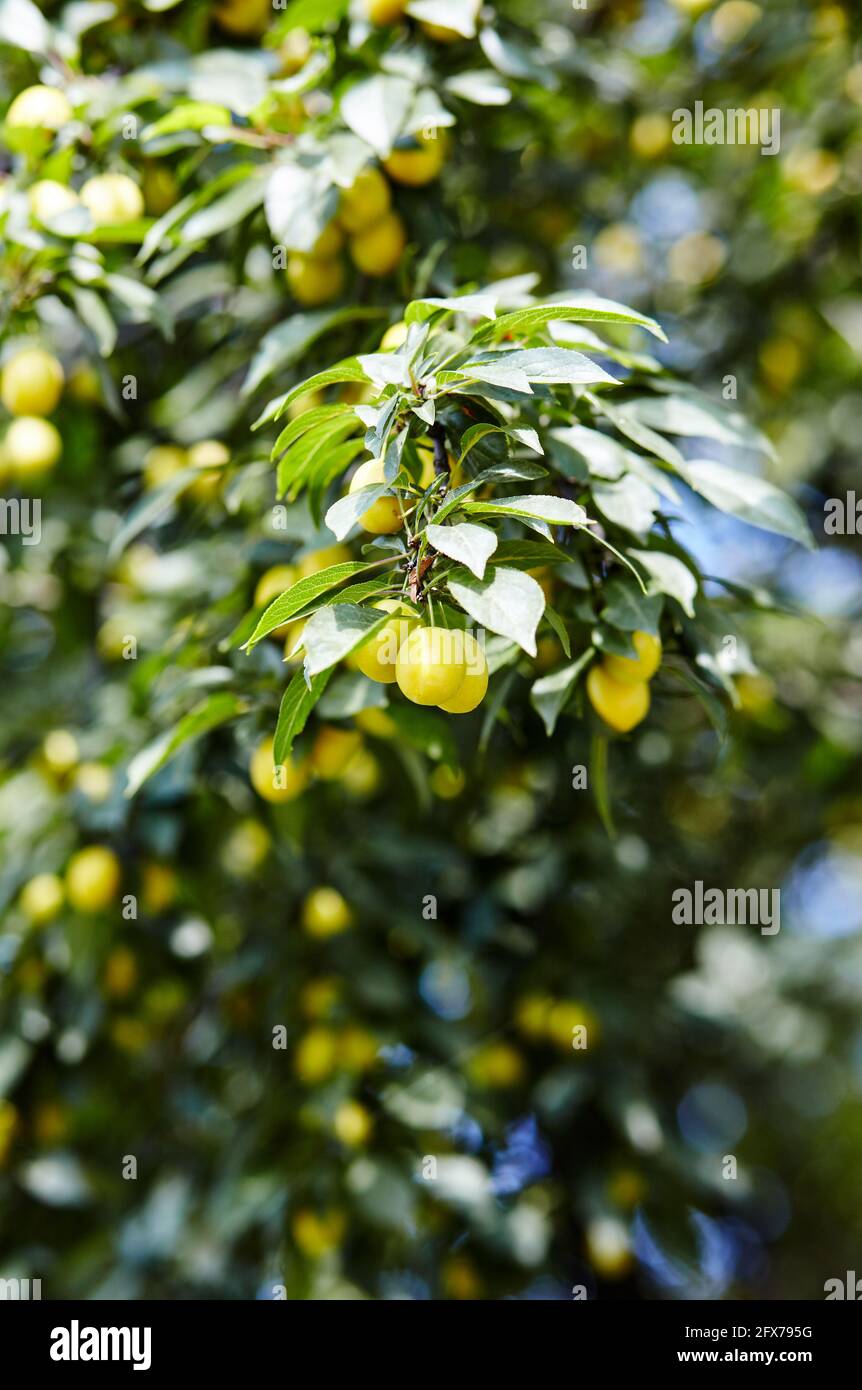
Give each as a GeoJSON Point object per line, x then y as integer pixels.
{"type": "Point", "coordinates": [376, 658]}
{"type": "Point", "coordinates": [352, 1124]}
{"type": "Point", "coordinates": [361, 777]}
{"type": "Point", "coordinates": [32, 446]}
{"type": "Point", "coordinates": [395, 335]}
{"type": "Point", "coordinates": [112, 199]}
{"type": "Point", "coordinates": [39, 108]}
{"type": "Point", "coordinates": [272, 583]}
{"type": "Point", "coordinates": [244, 18]}
{"type": "Point", "coordinates": [384, 11]}
{"type": "Point", "coordinates": [471, 691]}
{"type": "Point", "coordinates": [636, 668]}
{"type": "Point", "coordinates": [365, 201]}
{"type": "Point", "coordinates": [498, 1065]}
{"type": "Point", "coordinates": [121, 973]}
{"type": "Point", "coordinates": [430, 666]}
{"type": "Point", "coordinates": [314, 281]}
{"type": "Point", "coordinates": [32, 382]}
{"type": "Point", "coordinates": [41, 898]}
{"type": "Point", "coordinates": [94, 781]}
{"type": "Point", "coordinates": [162, 462]}
{"type": "Point", "coordinates": [446, 783]}
{"type": "Point", "coordinates": [293, 639]}
{"type": "Point", "coordinates": [48, 199]}
{"type": "Point", "coordinates": [620, 704]}
{"type": "Point", "coordinates": [92, 879]}
{"type": "Point", "coordinates": [383, 517]}
{"type": "Point", "coordinates": [276, 784]}
{"type": "Point", "coordinates": [378, 249]}
{"type": "Point", "coordinates": [419, 164]}
{"type": "Point", "coordinates": [160, 886]}
{"type": "Point", "coordinates": [326, 913]}
{"type": "Point", "coordinates": [376, 722]}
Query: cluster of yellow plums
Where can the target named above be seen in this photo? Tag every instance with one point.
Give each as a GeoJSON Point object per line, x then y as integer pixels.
{"type": "Point", "coordinates": [618, 686]}
{"type": "Point", "coordinates": [91, 884]}
{"type": "Point", "coordinates": [431, 665]}
{"type": "Point", "coordinates": [30, 388]}
{"type": "Point", "coordinates": [111, 199]}
{"type": "Point", "coordinates": [375, 233]}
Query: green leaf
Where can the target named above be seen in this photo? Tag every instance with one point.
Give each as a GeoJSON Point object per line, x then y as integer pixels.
{"type": "Point", "coordinates": [348, 693]}
{"type": "Point", "coordinates": [600, 782]}
{"type": "Point", "coordinates": [550, 694]}
{"type": "Point", "coordinates": [301, 594]}
{"type": "Point", "coordinates": [629, 503]}
{"type": "Point", "coordinates": [554, 621]}
{"type": "Point", "coordinates": [482, 304]}
{"type": "Point", "coordinates": [670, 576]}
{"type": "Point", "coordinates": [209, 714]}
{"type": "Point", "coordinates": [348, 370]}
{"type": "Point", "coordinates": [149, 508]}
{"type": "Point", "coordinates": [522, 323]}
{"type": "Point", "coordinates": [475, 433]}
{"type": "Point", "coordinates": [345, 513]}
{"type": "Point", "coordinates": [630, 610]}
{"type": "Point", "coordinates": [188, 115]}
{"type": "Point", "coordinates": [637, 432]}
{"type": "Point", "coordinates": [750, 498]}
{"type": "Point", "coordinates": [313, 15]}
{"type": "Point", "coordinates": [556, 511]}
{"type": "Point", "coordinates": [333, 633]}
{"type": "Point", "coordinates": [459, 15]}
{"type": "Point", "coordinates": [695, 415]}
{"type": "Point", "coordinates": [470, 545]}
{"type": "Point", "coordinates": [425, 731]}
{"type": "Point", "coordinates": [93, 312]}
{"type": "Point", "coordinates": [508, 602]}
{"type": "Point", "coordinates": [23, 26]}
{"type": "Point", "coordinates": [297, 703]}
{"type": "Point", "coordinates": [478, 86]}
{"type": "Point", "coordinates": [226, 212]}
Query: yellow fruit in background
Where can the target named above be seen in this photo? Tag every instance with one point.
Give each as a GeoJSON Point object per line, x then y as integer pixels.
{"type": "Point", "coordinates": [94, 781]}
{"type": "Point", "coordinates": [275, 784]}
{"type": "Point", "coordinates": [460, 1279]}
{"type": "Point", "coordinates": [162, 462]}
{"type": "Point", "coordinates": [121, 973]}
{"type": "Point", "coordinates": [315, 1056]}
{"type": "Point", "coordinates": [430, 665]}
{"type": "Point", "coordinates": [41, 898]}
{"type": "Point", "coordinates": [361, 777]}
{"type": "Point", "coordinates": [640, 668]}
{"type": "Point", "coordinates": [565, 1022]}
{"type": "Point", "coordinates": [357, 1050]}
{"type": "Point", "coordinates": [160, 189]}
{"type": "Point", "coordinates": [39, 108]}
{"type": "Point", "coordinates": [32, 446]}
{"type": "Point", "coordinates": [209, 457]}
{"type": "Point", "coordinates": [376, 658]}
{"type": "Point", "coordinates": [48, 198]}
{"type": "Point", "coordinates": [60, 751]}
{"type": "Point", "coordinates": [532, 1013]}
{"type": "Point", "coordinates": [32, 382]}
{"type": "Point", "coordinates": [383, 517]}
{"type": "Point", "coordinates": [308, 401]}
{"type": "Point", "coordinates": [333, 750]}
{"type": "Point", "coordinates": [8, 1126]}
{"type": "Point", "coordinates": [294, 52]}
{"type": "Point", "coordinates": [314, 281]}
{"type": "Point", "coordinates": [378, 249]}
{"type": "Point", "coordinates": [317, 1235]}
{"type": "Point", "coordinates": [244, 18]}
{"type": "Point", "coordinates": [322, 560]}
{"type": "Point", "coordinates": [320, 997]}
{"type": "Point", "coordinates": [365, 202]}
{"type": "Point", "coordinates": [329, 243]}
{"type": "Point", "coordinates": [93, 879]}
{"type": "Point", "coordinates": [497, 1065]}
{"type": "Point", "coordinates": [376, 722]}
{"type": "Point", "coordinates": [420, 162]}
{"type": "Point", "coordinates": [395, 335]}
{"type": "Point", "coordinates": [352, 1124]}
{"type": "Point", "coordinates": [160, 886]}
{"type": "Point", "coordinates": [50, 1123]}
{"type": "Point", "coordinates": [112, 199]}
{"type": "Point", "coordinates": [384, 11]}
{"type": "Point", "coordinates": [621, 704]}
{"type": "Point", "coordinates": [608, 1247]}
{"type": "Point", "coordinates": [650, 135]}
{"type": "Point", "coordinates": [627, 1187]}
{"type": "Point", "coordinates": [326, 913]}
{"type": "Point", "coordinates": [446, 783]}
{"type": "Point", "coordinates": [246, 848]}
{"type": "Point", "coordinates": [471, 691]}
{"type": "Point", "coordinates": [293, 638]}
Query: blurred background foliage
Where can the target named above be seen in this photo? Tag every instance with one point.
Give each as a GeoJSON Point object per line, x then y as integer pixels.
{"type": "Point", "coordinates": [282, 1063]}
